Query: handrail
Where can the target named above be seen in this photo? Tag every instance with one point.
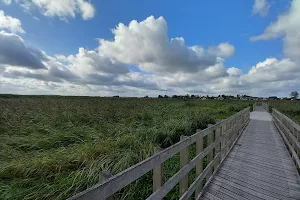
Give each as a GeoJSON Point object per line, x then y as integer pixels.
{"type": "Point", "coordinates": [226, 128]}
{"type": "Point", "coordinates": [290, 132]}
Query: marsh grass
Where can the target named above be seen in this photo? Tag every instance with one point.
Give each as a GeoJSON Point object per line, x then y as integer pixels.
{"type": "Point", "coordinates": [290, 108]}
{"type": "Point", "coordinates": [55, 147]}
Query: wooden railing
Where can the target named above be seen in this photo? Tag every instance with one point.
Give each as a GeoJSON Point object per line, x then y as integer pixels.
{"type": "Point", "coordinates": [266, 106]}
{"type": "Point", "coordinates": [220, 138]}
{"type": "Point", "coordinates": [290, 132]}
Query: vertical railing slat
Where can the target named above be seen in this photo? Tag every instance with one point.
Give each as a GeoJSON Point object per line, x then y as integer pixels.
{"type": "Point", "coordinates": [184, 160]}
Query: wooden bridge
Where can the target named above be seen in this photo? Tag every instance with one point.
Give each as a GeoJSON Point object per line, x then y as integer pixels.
{"type": "Point", "coordinates": [247, 156]}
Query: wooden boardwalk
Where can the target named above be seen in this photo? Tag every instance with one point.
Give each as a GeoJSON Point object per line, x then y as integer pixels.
{"type": "Point", "coordinates": [258, 167]}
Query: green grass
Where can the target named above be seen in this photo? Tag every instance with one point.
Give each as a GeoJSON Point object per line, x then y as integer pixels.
{"type": "Point", "coordinates": [55, 147]}
{"type": "Point", "coordinates": [290, 108]}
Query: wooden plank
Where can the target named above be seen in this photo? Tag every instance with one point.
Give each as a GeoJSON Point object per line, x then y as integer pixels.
{"type": "Point", "coordinates": [294, 155]}
{"type": "Point", "coordinates": [199, 166]}
{"type": "Point", "coordinates": [210, 154]}
{"type": "Point", "coordinates": [250, 192]}
{"type": "Point", "coordinates": [199, 179]}
{"type": "Point", "coordinates": [158, 173]}
{"type": "Point", "coordinates": [219, 190]}
{"type": "Point", "coordinates": [288, 132]}
{"type": "Point", "coordinates": [259, 167]}
{"type": "Point", "coordinates": [256, 185]}
{"type": "Point", "coordinates": [161, 192]}
{"type": "Point", "coordinates": [184, 160]}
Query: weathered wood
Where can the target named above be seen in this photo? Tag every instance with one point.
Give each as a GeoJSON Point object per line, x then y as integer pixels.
{"type": "Point", "coordinates": [218, 148]}
{"type": "Point", "coordinates": [210, 154]}
{"type": "Point", "coordinates": [199, 179]}
{"type": "Point", "coordinates": [293, 140]}
{"type": "Point", "coordinates": [161, 192]}
{"type": "Point", "coordinates": [292, 151]}
{"type": "Point", "coordinates": [259, 166]}
{"type": "Point", "coordinates": [223, 141]}
{"type": "Point", "coordinates": [199, 165]}
{"type": "Point", "coordinates": [104, 176]}
{"type": "Point", "coordinates": [158, 172]}
{"type": "Point", "coordinates": [184, 160]}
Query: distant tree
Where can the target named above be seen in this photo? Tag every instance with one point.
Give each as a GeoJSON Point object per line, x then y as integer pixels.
{"type": "Point", "coordinates": [294, 95]}
{"type": "Point", "coordinates": [175, 96]}
{"type": "Point", "coordinates": [160, 96]}
{"type": "Point", "coordinates": [187, 96]}
{"type": "Point", "coordinates": [166, 96]}
{"type": "Point", "coordinates": [146, 96]}
{"type": "Point", "coordinates": [116, 96]}
{"type": "Point", "coordinates": [238, 96]}
{"type": "Point", "coordinates": [193, 96]}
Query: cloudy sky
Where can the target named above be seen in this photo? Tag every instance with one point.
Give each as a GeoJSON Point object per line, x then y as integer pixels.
{"type": "Point", "coordinates": [137, 48]}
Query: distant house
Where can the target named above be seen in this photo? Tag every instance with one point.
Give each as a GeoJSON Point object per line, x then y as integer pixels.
{"type": "Point", "coordinates": [273, 98]}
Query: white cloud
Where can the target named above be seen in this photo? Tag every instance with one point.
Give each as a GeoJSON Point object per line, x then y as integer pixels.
{"type": "Point", "coordinates": [7, 2]}
{"type": "Point", "coordinates": [261, 7]}
{"type": "Point", "coordinates": [224, 50]}
{"type": "Point", "coordinates": [147, 45]}
{"type": "Point", "coordinates": [10, 23]}
{"type": "Point", "coordinates": [234, 71]}
{"type": "Point", "coordinates": [288, 27]}
{"type": "Point", "coordinates": [87, 9]}
{"type": "Point", "coordinates": [13, 52]}
{"type": "Point", "coordinates": [168, 66]}
{"type": "Point", "coordinates": [272, 70]}
{"type": "Point", "coordinates": [87, 62]}
{"type": "Point", "coordinates": [63, 9]}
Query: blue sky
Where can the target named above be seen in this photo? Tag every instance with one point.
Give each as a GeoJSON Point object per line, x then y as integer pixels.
{"type": "Point", "coordinates": [203, 23]}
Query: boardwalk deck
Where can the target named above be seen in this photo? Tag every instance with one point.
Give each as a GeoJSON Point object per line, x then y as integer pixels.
{"type": "Point", "coordinates": [258, 167]}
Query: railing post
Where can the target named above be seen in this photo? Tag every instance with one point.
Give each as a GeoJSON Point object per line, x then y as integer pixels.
{"type": "Point", "coordinates": [199, 166]}
{"type": "Point", "coordinates": [298, 138]}
{"type": "Point", "coordinates": [217, 150]}
{"type": "Point", "coordinates": [223, 140]}
{"type": "Point", "coordinates": [157, 173]}
{"type": "Point", "coordinates": [210, 154]}
{"type": "Point", "coordinates": [104, 176]}
{"type": "Point", "coordinates": [184, 160]}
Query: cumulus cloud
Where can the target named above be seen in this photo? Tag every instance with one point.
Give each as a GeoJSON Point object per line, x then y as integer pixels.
{"type": "Point", "coordinates": [274, 70]}
{"type": "Point", "coordinates": [58, 8]}
{"type": "Point", "coordinates": [86, 62]}
{"type": "Point", "coordinates": [147, 45]}
{"type": "Point", "coordinates": [18, 62]}
{"type": "Point", "coordinates": [287, 26]}
{"type": "Point", "coordinates": [261, 7]}
{"type": "Point", "coordinates": [224, 50]}
{"type": "Point", "coordinates": [233, 71]}
{"type": "Point", "coordinates": [14, 52]}
{"type": "Point", "coordinates": [10, 23]}
{"type": "Point", "coordinates": [167, 66]}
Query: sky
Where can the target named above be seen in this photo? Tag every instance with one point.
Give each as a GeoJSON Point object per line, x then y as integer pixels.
{"type": "Point", "coordinates": [138, 48]}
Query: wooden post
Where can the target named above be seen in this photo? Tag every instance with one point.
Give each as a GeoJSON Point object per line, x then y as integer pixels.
{"type": "Point", "coordinates": [223, 141]}
{"type": "Point", "coordinates": [298, 138]}
{"type": "Point", "coordinates": [184, 160]}
{"type": "Point", "coordinates": [218, 134]}
{"type": "Point", "coordinates": [104, 176]}
{"type": "Point", "coordinates": [210, 154]}
{"type": "Point", "coordinates": [199, 165]}
{"type": "Point", "coordinates": [158, 173]}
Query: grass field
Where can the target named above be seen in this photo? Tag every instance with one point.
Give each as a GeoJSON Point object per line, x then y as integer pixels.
{"type": "Point", "coordinates": [290, 108]}
{"type": "Point", "coordinates": [55, 147]}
